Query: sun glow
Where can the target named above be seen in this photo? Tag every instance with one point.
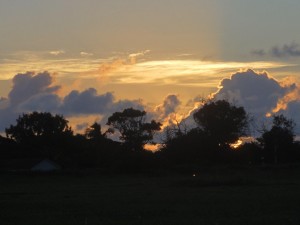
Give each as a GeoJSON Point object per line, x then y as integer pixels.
{"type": "Point", "coordinates": [121, 73]}
{"type": "Point", "coordinates": [130, 68]}
{"type": "Point", "coordinates": [242, 141]}
{"type": "Point", "coordinates": [237, 144]}
{"type": "Point", "coordinates": [164, 70]}
{"type": "Point", "coordinates": [152, 147]}
{"type": "Point", "coordinates": [282, 104]}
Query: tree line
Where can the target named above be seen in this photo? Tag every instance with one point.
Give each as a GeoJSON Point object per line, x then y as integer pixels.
{"type": "Point", "coordinates": [220, 124]}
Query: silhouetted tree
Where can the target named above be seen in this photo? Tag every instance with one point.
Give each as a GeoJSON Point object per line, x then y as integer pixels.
{"type": "Point", "coordinates": [248, 153]}
{"type": "Point", "coordinates": [278, 141]}
{"type": "Point", "coordinates": [94, 132]}
{"type": "Point", "coordinates": [222, 122]}
{"type": "Point", "coordinates": [186, 148]}
{"type": "Point", "coordinates": [39, 128]}
{"type": "Point", "coordinates": [8, 149]}
{"type": "Point", "coordinates": [134, 130]}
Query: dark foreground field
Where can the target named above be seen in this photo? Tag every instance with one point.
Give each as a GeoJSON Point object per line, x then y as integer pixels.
{"type": "Point", "coordinates": [214, 196]}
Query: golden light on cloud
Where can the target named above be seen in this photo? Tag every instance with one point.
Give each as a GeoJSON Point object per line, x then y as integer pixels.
{"type": "Point", "coordinates": [152, 147]}
{"type": "Point", "coordinates": [127, 68]}
{"type": "Point", "coordinates": [56, 53]}
{"type": "Point", "coordinates": [237, 144]}
{"type": "Point", "coordinates": [80, 123]}
{"type": "Point", "coordinates": [164, 71]}
{"type": "Point", "coordinates": [133, 56]}
{"type": "Point", "coordinates": [61, 67]}
{"type": "Point", "coordinates": [242, 141]}
{"type": "Point", "coordinates": [119, 73]}
{"type": "Point", "coordinates": [268, 115]}
{"type": "Point", "coordinates": [86, 54]}
{"type": "Point", "coordinates": [282, 103]}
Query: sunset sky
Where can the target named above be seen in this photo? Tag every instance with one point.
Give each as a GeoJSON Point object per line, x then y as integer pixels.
{"type": "Point", "coordinates": [88, 59]}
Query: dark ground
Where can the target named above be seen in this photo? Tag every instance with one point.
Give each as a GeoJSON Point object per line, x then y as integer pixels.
{"type": "Point", "coordinates": [241, 196]}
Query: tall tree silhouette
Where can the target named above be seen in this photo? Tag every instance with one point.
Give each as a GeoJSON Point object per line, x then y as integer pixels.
{"type": "Point", "coordinates": [94, 132]}
{"type": "Point", "coordinates": [133, 128]}
{"type": "Point", "coordinates": [222, 122]}
{"type": "Point", "coordinates": [40, 128]}
{"type": "Point", "coordinates": [277, 142]}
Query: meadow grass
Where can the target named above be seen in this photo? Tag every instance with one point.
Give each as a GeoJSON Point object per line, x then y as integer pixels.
{"type": "Point", "coordinates": [211, 196]}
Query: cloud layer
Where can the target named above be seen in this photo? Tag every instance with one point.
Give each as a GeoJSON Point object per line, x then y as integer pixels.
{"type": "Point", "coordinates": [284, 51]}
{"type": "Point", "coordinates": [36, 92]}
{"type": "Point", "coordinates": [169, 105]}
{"type": "Point", "coordinates": [260, 94]}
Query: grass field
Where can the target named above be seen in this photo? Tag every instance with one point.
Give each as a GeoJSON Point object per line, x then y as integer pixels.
{"type": "Point", "coordinates": [214, 196]}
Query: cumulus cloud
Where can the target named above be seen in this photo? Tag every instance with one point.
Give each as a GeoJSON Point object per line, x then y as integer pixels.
{"type": "Point", "coordinates": [197, 101]}
{"type": "Point", "coordinates": [3, 102]}
{"type": "Point", "coordinates": [7, 118]}
{"type": "Point", "coordinates": [167, 113]}
{"type": "Point", "coordinates": [292, 111]}
{"type": "Point", "coordinates": [293, 95]}
{"type": "Point", "coordinates": [257, 92]}
{"type": "Point", "coordinates": [261, 95]}
{"type": "Point", "coordinates": [40, 102]}
{"type": "Point", "coordinates": [289, 106]}
{"type": "Point", "coordinates": [29, 84]}
{"type": "Point", "coordinates": [169, 105]}
{"type": "Point", "coordinates": [36, 92]}
{"type": "Point", "coordinates": [25, 89]}
{"type": "Point", "coordinates": [86, 102]}
{"type": "Point", "coordinates": [120, 105]}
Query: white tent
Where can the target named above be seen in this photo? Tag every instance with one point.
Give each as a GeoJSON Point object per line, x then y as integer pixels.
{"type": "Point", "coordinates": [45, 165]}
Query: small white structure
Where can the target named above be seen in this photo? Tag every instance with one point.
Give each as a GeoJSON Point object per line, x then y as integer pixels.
{"type": "Point", "coordinates": [45, 165]}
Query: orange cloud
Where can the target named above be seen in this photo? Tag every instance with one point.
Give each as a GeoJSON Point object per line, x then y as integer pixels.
{"type": "Point", "coordinates": [119, 64]}
{"type": "Point", "coordinates": [110, 67]}
{"type": "Point", "coordinates": [133, 56]}
{"type": "Point", "coordinates": [282, 103]}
